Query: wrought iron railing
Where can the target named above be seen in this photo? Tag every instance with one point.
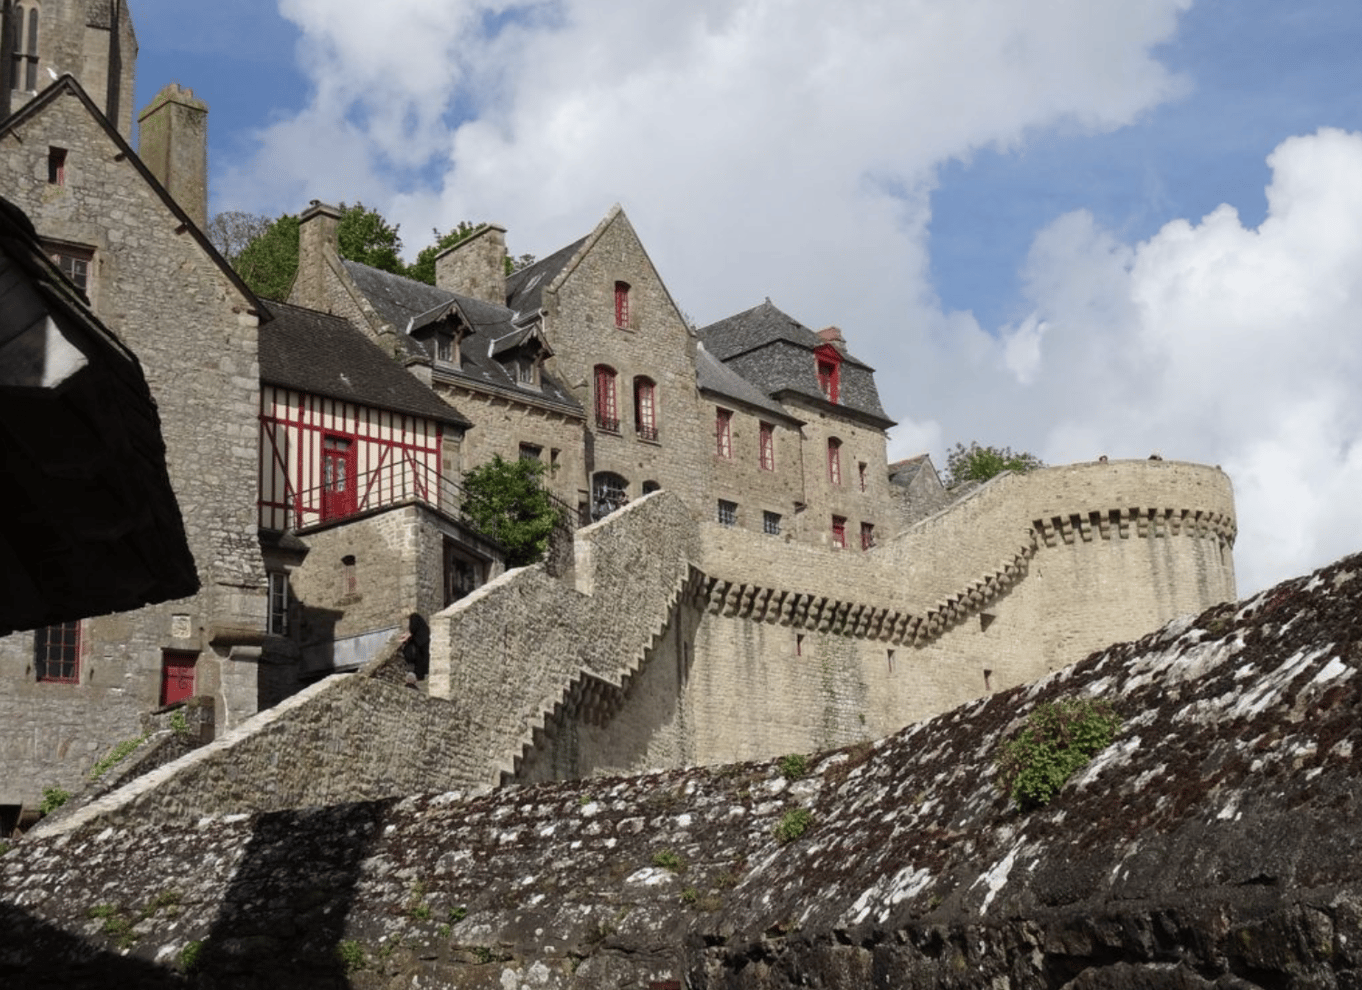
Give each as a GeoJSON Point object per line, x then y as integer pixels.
{"type": "Point", "coordinates": [648, 432]}
{"type": "Point", "coordinates": [607, 423]}
{"type": "Point", "coordinates": [403, 482]}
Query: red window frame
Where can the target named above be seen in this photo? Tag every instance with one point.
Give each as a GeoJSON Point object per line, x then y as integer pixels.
{"type": "Point", "coordinates": [645, 408]}
{"type": "Point", "coordinates": [723, 433]}
{"type": "Point", "coordinates": [768, 447]}
{"type": "Point", "coordinates": [621, 304]}
{"type": "Point", "coordinates": [867, 535]}
{"type": "Point", "coordinates": [607, 411]}
{"type": "Point", "coordinates": [839, 532]}
{"type": "Point", "coordinates": [828, 363]}
{"type": "Point", "coordinates": [56, 653]}
{"type": "Point", "coordinates": [177, 675]}
{"type": "Point", "coordinates": [834, 460]}
{"type": "Point", "coordinates": [339, 484]}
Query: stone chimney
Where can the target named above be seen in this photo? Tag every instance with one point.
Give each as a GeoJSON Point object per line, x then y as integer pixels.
{"type": "Point", "coordinates": [173, 143]}
{"type": "Point", "coordinates": [476, 266]}
{"type": "Point", "coordinates": [833, 336]}
{"type": "Point", "coordinates": [317, 230]}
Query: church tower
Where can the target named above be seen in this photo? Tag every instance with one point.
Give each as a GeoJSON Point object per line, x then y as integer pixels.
{"type": "Point", "coordinates": [92, 40]}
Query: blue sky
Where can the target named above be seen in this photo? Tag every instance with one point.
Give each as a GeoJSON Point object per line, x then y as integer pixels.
{"type": "Point", "coordinates": [1010, 209]}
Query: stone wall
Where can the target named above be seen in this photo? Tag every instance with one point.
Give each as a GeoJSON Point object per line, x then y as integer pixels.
{"type": "Point", "coordinates": [740, 478]}
{"type": "Point", "coordinates": [155, 286]}
{"type": "Point", "coordinates": [656, 344]}
{"type": "Point", "coordinates": [505, 424]}
{"type": "Point", "coordinates": [1210, 846]}
{"type": "Point", "coordinates": [509, 653]}
{"type": "Point", "coordinates": [350, 737]}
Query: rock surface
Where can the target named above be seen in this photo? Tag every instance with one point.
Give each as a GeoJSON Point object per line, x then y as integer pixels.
{"type": "Point", "coordinates": [1214, 844]}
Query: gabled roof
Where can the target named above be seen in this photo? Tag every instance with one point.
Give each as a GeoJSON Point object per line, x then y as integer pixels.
{"type": "Point", "coordinates": [325, 355]}
{"type": "Point", "coordinates": [525, 288]}
{"type": "Point", "coordinates": [775, 352]}
{"type": "Point", "coordinates": [68, 84]}
{"type": "Point", "coordinates": [715, 377]}
{"type": "Point", "coordinates": [408, 306]}
{"type": "Point", "coordinates": [757, 327]}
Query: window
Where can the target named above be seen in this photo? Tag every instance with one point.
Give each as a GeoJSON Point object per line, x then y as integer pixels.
{"type": "Point", "coordinates": [651, 486]}
{"type": "Point", "coordinates": [177, 676]}
{"type": "Point", "coordinates": [529, 452]}
{"type": "Point", "coordinates": [768, 447]}
{"type": "Point", "coordinates": [839, 532]}
{"type": "Point", "coordinates": [728, 513]}
{"type": "Point", "coordinates": [526, 372]}
{"type": "Point", "coordinates": [609, 491]}
{"type": "Point", "coordinates": [338, 477]}
{"type": "Point", "coordinates": [723, 433]}
{"type": "Point", "coordinates": [645, 408]}
{"type": "Point", "coordinates": [867, 535]}
{"type": "Point", "coordinates": [56, 653]}
{"type": "Point", "coordinates": [349, 577]}
{"type": "Point", "coordinates": [607, 412]}
{"type": "Point", "coordinates": [278, 594]}
{"type": "Point", "coordinates": [74, 262]}
{"type": "Point", "coordinates": [834, 461]}
{"type": "Point", "coordinates": [621, 304]}
{"type": "Point", "coordinates": [860, 470]}
{"type": "Point", "coordinates": [24, 71]}
{"type": "Point", "coordinates": [462, 574]}
{"type": "Point", "coordinates": [56, 166]}
{"type": "Point", "coordinates": [770, 523]}
{"type": "Point", "coordinates": [829, 364]}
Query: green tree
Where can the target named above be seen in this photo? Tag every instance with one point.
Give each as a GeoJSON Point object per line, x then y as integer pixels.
{"type": "Point", "coordinates": [269, 263]}
{"type": "Point", "coordinates": [979, 463]}
{"type": "Point", "coordinates": [507, 501]}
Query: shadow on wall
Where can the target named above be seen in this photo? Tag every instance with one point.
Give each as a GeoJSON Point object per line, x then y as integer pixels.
{"type": "Point", "coordinates": [283, 915]}
{"type": "Point", "coordinates": [280, 922]}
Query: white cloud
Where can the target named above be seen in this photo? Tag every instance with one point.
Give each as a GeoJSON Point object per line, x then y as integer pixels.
{"type": "Point", "coordinates": [1217, 343]}
{"type": "Point", "coordinates": [785, 148]}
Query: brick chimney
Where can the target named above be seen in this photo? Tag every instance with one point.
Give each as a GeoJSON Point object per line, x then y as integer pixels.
{"type": "Point", "coordinates": [317, 230]}
{"type": "Point", "coordinates": [833, 336]}
{"type": "Point", "coordinates": [173, 143]}
{"type": "Point", "coordinates": [476, 266]}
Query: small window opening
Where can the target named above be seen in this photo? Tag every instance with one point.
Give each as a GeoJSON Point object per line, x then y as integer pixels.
{"type": "Point", "coordinates": [891, 661]}
{"type": "Point", "coordinates": [728, 513]}
{"type": "Point", "coordinates": [349, 579]}
{"type": "Point", "coordinates": [770, 523]}
{"type": "Point", "coordinates": [621, 304]}
{"type": "Point", "coordinates": [56, 653]}
{"type": "Point", "coordinates": [56, 166]}
{"type": "Point", "coordinates": [799, 644]}
{"type": "Point", "coordinates": [279, 601]}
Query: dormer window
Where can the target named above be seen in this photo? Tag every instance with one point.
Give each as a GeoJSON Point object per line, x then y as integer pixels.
{"type": "Point", "coordinates": [444, 348]}
{"type": "Point", "coordinates": [527, 372]}
{"type": "Point", "coordinates": [829, 364]}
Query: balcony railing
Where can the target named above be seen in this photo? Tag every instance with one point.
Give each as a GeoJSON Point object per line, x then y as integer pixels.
{"type": "Point", "coordinates": [397, 483]}
{"type": "Point", "coordinates": [647, 433]}
{"type": "Point", "coordinates": [607, 424]}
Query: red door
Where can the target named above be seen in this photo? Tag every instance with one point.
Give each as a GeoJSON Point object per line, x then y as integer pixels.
{"type": "Point", "coordinates": [338, 477]}
{"type": "Point", "coordinates": [177, 676]}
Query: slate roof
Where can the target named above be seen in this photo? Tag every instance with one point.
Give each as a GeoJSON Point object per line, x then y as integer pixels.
{"type": "Point", "coordinates": [525, 288]}
{"type": "Point", "coordinates": [903, 472]}
{"type": "Point", "coordinates": [712, 375]}
{"type": "Point", "coordinates": [325, 355]}
{"type": "Point", "coordinates": [407, 304]}
{"type": "Point", "coordinates": [774, 351]}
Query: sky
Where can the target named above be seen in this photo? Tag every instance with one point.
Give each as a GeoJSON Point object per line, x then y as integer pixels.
{"type": "Point", "coordinates": [1067, 227]}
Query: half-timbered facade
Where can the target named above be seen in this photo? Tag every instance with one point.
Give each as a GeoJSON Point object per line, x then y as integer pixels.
{"type": "Point", "coordinates": [358, 503]}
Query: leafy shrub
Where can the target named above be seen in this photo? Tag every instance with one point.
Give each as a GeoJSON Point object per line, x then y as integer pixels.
{"type": "Point", "coordinates": [669, 860]}
{"type": "Point", "coordinates": [794, 765]}
{"type": "Point", "coordinates": [191, 957]}
{"type": "Point", "coordinates": [507, 501]}
{"type": "Point", "coordinates": [1059, 737]}
{"type": "Point", "coordinates": [793, 824]}
{"type": "Point", "coordinates": [53, 798]}
{"type": "Point", "coordinates": [114, 757]}
{"type": "Point", "coordinates": [178, 723]}
{"type": "Point", "coordinates": [351, 955]}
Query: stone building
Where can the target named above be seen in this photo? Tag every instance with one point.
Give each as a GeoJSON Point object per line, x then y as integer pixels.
{"type": "Point", "coordinates": [750, 577]}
